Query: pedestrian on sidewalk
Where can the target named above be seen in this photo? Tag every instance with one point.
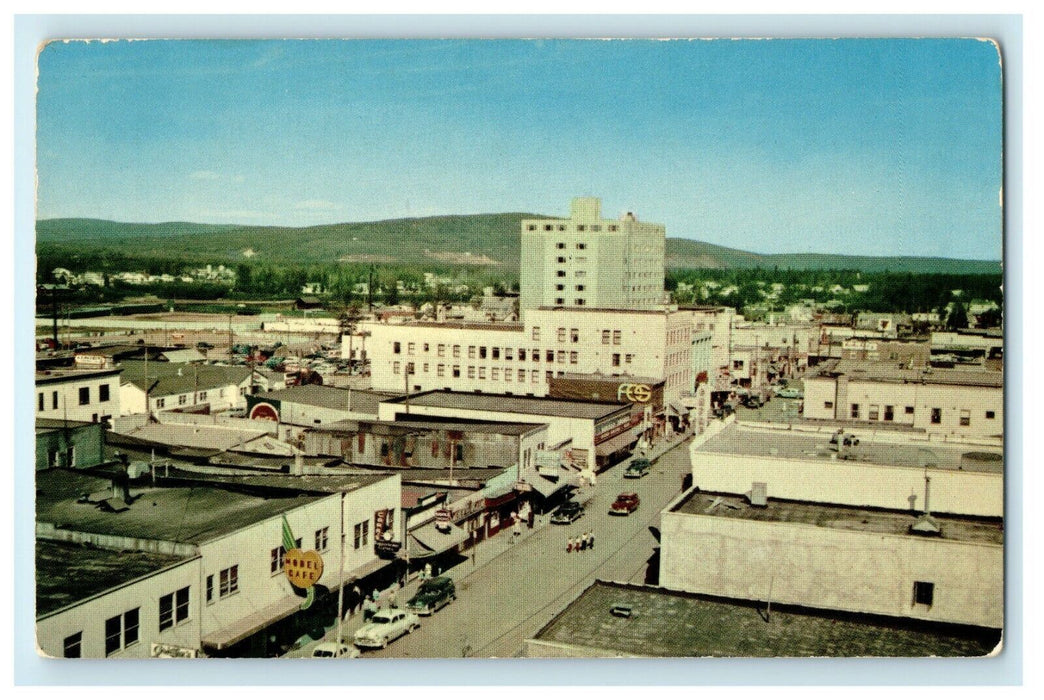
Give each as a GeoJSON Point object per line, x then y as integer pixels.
{"type": "Point", "coordinates": [590, 540]}
{"type": "Point", "coordinates": [583, 542]}
{"type": "Point", "coordinates": [516, 530]}
{"type": "Point", "coordinates": [569, 544]}
{"type": "Point", "coordinates": [392, 595]}
{"type": "Point", "coordinates": [369, 608]}
{"type": "Point", "coordinates": [427, 571]}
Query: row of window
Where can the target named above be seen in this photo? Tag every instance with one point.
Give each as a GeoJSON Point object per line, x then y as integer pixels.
{"type": "Point", "coordinates": [565, 227]}
{"type": "Point", "coordinates": [200, 397]}
{"type": "Point", "coordinates": [874, 413]}
{"type": "Point", "coordinates": [83, 396]}
{"type": "Point", "coordinates": [576, 273]}
{"type": "Point", "coordinates": [562, 357]}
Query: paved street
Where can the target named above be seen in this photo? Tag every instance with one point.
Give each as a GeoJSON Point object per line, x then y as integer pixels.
{"type": "Point", "coordinates": [512, 590]}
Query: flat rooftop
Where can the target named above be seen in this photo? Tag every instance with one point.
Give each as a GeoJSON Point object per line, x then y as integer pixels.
{"type": "Point", "coordinates": [892, 372]}
{"type": "Point", "coordinates": [357, 400]}
{"type": "Point", "coordinates": [870, 520]}
{"type": "Point", "coordinates": [399, 426]}
{"type": "Point", "coordinates": [50, 376]}
{"type": "Point", "coordinates": [308, 484]}
{"type": "Point", "coordinates": [68, 572]}
{"type": "Point", "coordinates": [738, 439]}
{"type": "Point", "coordinates": [667, 623]}
{"type": "Point", "coordinates": [191, 514]}
{"type": "Point", "coordinates": [463, 325]}
{"type": "Point", "coordinates": [501, 403]}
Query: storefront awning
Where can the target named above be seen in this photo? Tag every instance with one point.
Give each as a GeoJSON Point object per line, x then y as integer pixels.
{"type": "Point", "coordinates": [603, 449]}
{"type": "Point", "coordinates": [547, 487]}
{"type": "Point", "coordinates": [679, 409]}
{"type": "Point", "coordinates": [258, 620]}
{"type": "Point", "coordinates": [428, 541]}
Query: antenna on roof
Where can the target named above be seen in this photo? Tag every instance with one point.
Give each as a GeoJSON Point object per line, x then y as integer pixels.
{"type": "Point", "coordinates": [926, 524]}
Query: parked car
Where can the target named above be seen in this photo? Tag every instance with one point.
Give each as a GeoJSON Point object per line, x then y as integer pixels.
{"type": "Point", "coordinates": [333, 650]}
{"type": "Point", "coordinates": [625, 504]}
{"type": "Point", "coordinates": [637, 468]}
{"type": "Point", "coordinates": [753, 401]}
{"type": "Point", "coordinates": [567, 513]}
{"type": "Point", "coordinates": [386, 626]}
{"type": "Point", "coordinates": [724, 410]}
{"type": "Point", "coordinates": [434, 594]}
{"type": "Point", "coordinates": [849, 440]}
{"type": "Point", "coordinates": [789, 393]}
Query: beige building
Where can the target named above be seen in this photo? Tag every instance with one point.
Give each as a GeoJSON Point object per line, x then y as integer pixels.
{"type": "Point", "coordinates": [90, 396]}
{"type": "Point", "coordinates": [589, 261]}
{"type": "Point", "coordinates": [945, 402]}
{"type": "Point", "coordinates": [522, 359]}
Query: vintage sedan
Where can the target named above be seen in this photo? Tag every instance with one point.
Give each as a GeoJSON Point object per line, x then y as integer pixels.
{"type": "Point", "coordinates": [625, 504]}
{"type": "Point", "coordinates": [333, 650]}
{"type": "Point", "coordinates": [386, 626]}
{"type": "Point", "coordinates": [637, 468]}
{"type": "Point", "coordinates": [567, 513]}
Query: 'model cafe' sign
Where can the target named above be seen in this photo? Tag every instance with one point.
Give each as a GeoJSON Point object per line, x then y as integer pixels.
{"type": "Point", "coordinates": [303, 569]}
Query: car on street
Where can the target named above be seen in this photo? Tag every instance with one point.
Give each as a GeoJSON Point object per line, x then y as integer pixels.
{"type": "Point", "coordinates": [333, 650]}
{"type": "Point", "coordinates": [386, 626]}
{"type": "Point", "coordinates": [568, 512]}
{"type": "Point", "coordinates": [625, 504]}
{"type": "Point", "coordinates": [637, 468]}
{"type": "Point", "coordinates": [433, 594]}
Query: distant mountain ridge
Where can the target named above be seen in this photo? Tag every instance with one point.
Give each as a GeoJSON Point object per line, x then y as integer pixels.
{"type": "Point", "coordinates": [477, 239]}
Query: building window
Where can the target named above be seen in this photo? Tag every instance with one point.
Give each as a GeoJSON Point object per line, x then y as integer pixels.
{"type": "Point", "coordinates": [889, 413]}
{"type": "Point", "coordinates": [183, 399]}
{"type": "Point", "coordinates": [616, 359]}
{"type": "Point", "coordinates": [521, 375]}
{"type": "Point", "coordinates": [202, 396]}
{"type": "Point", "coordinates": [425, 347]}
{"type": "Point", "coordinates": [548, 227]}
{"type": "Point", "coordinates": [440, 371]}
{"type": "Point", "coordinates": [495, 353]}
{"type": "Point", "coordinates": [509, 354]}
{"type": "Point", "coordinates": [605, 337]}
{"type": "Point", "coordinates": [579, 287]}
{"type": "Point", "coordinates": [828, 404]}
{"type": "Point", "coordinates": [40, 402]}
{"type": "Point", "coordinates": [410, 368]}
{"type": "Point", "coordinates": [874, 411]}
{"type": "Point", "coordinates": [425, 368]}
{"type": "Point", "coordinates": [613, 227]}
{"type": "Point", "coordinates": [560, 273]}
{"type": "Point", "coordinates": [536, 332]}
{"type": "Point", "coordinates": [507, 375]}
{"type": "Point", "coordinates": [482, 352]}
{"type": "Point", "coordinates": [559, 287]}
{"type": "Point", "coordinates": [362, 534]}
{"type": "Point", "coordinates": [121, 631]}
{"type": "Point", "coordinates": [990, 415]}
{"type": "Point", "coordinates": [924, 593]}
{"type": "Point", "coordinates": [560, 246]}
{"type": "Point", "coordinates": [396, 367]}
{"type": "Point", "coordinates": [173, 608]}
{"type": "Point", "coordinates": [936, 416]}
{"type": "Point", "coordinates": [549, 356]}
{"type": "Point", "coordinates": [228, 581]}
{"type": "Point", "coordinates": [410, 347]}
{"type": "Point", "coordinates": [559, 301]}
{"type": "Point", "coordinates": [322, 539]}
{"type": "Point", "coordinates": [441, 350]}
{"type": "Point", "coordinates": [534, 376]}
{"type": "Point", "coordinates": [210, 589]}
{"type": "Point", "coordinates": [579, 302]}
{"type": "Point", "coordinates": [494, 374]}
{"type": "Point", "coordinates": [561, 259]}
{"type": "Point", "coordinates": [471, 371]}
{"type": "Point", "coordinates": [482, 373]}
{"type": "Point", "coordinates": [581, 246]}
{"type": "Point", "coordinates": [471, 352]}
{"type": "Point", "coordinates": [548, 376]}
{"type": "Point", "coordinates": [71, 645]}
{"type": "Point", "coordinates": [54, 400]}
{"type": "Point", "coordinates": [85, 395]}
{"type": "Point", "coordinates": [561, 335]}
{"type": "Point", "coordinates": [396, 347]}
{"type": "Point", "coordinates": [855, 411]}
{"type": "Point", "coordinates": [580, 273]}
{"type": "Point", "coordinates": [456, 371]}
{"type": "Point", "coordinates": [580, 227]}
{"type": "Point", "coordinates": [561, 357]}
{"type": "Point", "coordinates": [531, 227]}
{"type": "Point", "coordinates": [965, 418]}
{"type": "Point", "coordinates": [456, 351]}
{"type": "Point", "coordinates": [909, 410]}
{"type": "Point", "coordinates": [160, 403]}
{"type": "Point", "coordinates": [617, 336]}
{"type": "Point", "coordinates": [573, 357]}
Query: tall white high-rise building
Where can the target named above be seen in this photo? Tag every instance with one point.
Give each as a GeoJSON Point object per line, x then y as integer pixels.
{"type": "Point", "coordinates": [589, 261]}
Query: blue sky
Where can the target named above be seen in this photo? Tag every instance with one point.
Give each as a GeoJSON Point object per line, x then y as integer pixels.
{"type": "Point", "coordinates": [876, 147]}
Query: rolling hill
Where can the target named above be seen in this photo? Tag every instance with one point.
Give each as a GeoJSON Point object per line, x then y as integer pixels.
{"type": "Point", "coordinates": [476, 239]}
